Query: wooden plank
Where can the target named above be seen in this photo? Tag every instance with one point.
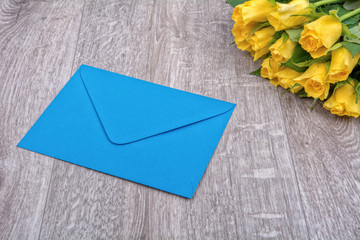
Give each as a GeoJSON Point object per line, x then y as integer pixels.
{"type": "Point", "coordinates": [325, 150]}
{"type": "Point", "coordinates": [37, 46]}
{"type": "Point", "coordinates": [84, 204]}
{"type": "Point", "coordinates": [249, 189]}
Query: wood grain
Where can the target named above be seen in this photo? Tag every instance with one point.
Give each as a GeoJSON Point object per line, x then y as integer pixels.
{"type": "Point", "coordinates": [325, 150]}
{"type": "Point", "coordinates": [279, 172]}
{"type": "Point", "coordinates": [35, 60]}
{"type": "Point", "coordinates": [84, 204]}
{"type": "Point", "coordinates": [251, 177]}
{"type": "Point", "coordinates": [176, 48]}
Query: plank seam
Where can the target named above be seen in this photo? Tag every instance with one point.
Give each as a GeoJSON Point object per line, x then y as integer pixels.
{"type": "Point", "coordinates": [52, 167]}
{"type": "Point", "coordinates": [293, 167]}
{"type": "Point", "coordinates": [46, 199]}
{"type": "Point", "coordinates": [77, 40]}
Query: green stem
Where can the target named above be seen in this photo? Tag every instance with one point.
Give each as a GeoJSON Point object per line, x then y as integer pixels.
{"type": "Point", "coordinates": [323, 2]}
{"type": "Point", "coordinates": [350, 14]}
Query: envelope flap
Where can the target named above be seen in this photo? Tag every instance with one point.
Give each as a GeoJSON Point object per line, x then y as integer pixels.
{"type": "Point", "coordinates": [131, 109]}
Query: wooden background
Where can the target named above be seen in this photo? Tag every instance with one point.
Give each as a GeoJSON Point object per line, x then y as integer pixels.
{"type": "Point", "coordinates": [279, 172]}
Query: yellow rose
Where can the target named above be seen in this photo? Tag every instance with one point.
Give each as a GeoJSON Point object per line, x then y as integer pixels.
{"type": "Point", "coordinates": [269, 68]}
{"type": "Point", "coordinates": [283, 16]}
{"type": "Point", "coordinates": [252, 11]}
{"type": "Point", "coordinates": [286, 78]}
{"type": "Point", "coordinates": [259, 41]}
{"type": "Point", "coordinates": [342, 64]}
{"type": "Point", "coordinates": [282, 51]}
{"type": "Point", "coordinates": [319, 35]}
{"type": "Point", "coordinates": [342, 102]}
{"type": "Point", "coordinates": [241, 32]}
{"type": "Point", "coordinates": [313, 81]}
{"type": "Point", "coordinates": [237, 12]}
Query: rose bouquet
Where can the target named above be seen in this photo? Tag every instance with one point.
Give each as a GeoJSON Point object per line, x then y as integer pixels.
{"type": "Point", "coordinates": [310, 48]}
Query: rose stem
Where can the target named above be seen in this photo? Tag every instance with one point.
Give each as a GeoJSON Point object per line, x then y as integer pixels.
{"type": "Point", "coordinates": [350, 14]}
{"type": "Point", "coordinates": [323, 2]}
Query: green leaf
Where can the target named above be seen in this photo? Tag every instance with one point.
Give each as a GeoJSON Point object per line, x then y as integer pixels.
{"type": "Point", "coordinates": [355, 31]}
{"type": "Point", "coordinates": [258, 26]}
{"type": "Point", "coordinates": [355, 35]}
{"type": "Point", "coordinates": [276, 36]}
{"type": "Point", "coordinates": [352, 21]}
{"type": "Point", "coordinates": [234, 3]}
{"type": "Point", "coordinates": [313, 105]}
{"type": "Point", "coordinates": [294, 34]}
{"type": "Point", "coordinates": [346, 32]}
{"type": "Point", "coordinates": [301, 59]}
{"type": "Point", "coordinates": [310, 62]}
{"type": "Point", "coordinates": [331, 7]}
{"type": "Point", "coordinates": [284, 37]}
{"type": "Point", "coordinates": [334, 47]}
{"type": "Point", "coordinates": [257, 72]}
{"type": "Point", "coordinates": [266, 56]}
{"type": "Point", "coordinates": [354, 48]}
{"type": "Point", "coordinates": [357, 90]}
{"type": "Point", "coordinates": [291, 64]}
{"type": "Point", "coordinates": [302, 93]}
{"type": "Point", "coordinates": [313, 14]}
{"type": "Point", "coordinates": [351, 4]}
{"type": "Point", "coordinates": [298, 57]}
{"type": "Point", "coordinates": [273, 2]}
{"type": "Point", "coordinates": [287, 90]}
{"type": "Point", "coordinates": [334, 13]}
{"type": "Point", "coordinates": [353, 40]}
{"type": "Point", "coordinates": [341, 11]}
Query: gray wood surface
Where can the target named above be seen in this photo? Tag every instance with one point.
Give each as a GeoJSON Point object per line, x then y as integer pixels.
{"type": "Point", "coordinates": [279, 172]}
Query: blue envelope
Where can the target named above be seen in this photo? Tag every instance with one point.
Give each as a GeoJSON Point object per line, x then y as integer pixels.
{"type": "Point", "coordinates": [147, 133]}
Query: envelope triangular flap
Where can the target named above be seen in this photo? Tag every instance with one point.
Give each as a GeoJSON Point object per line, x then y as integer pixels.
{"type": "Point", "coordinates": [131, 109]}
